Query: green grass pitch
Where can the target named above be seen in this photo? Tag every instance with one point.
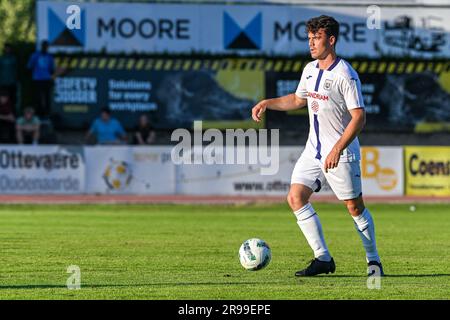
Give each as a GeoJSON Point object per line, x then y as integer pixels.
{"type": "Point", "coordinates": [191, 252]}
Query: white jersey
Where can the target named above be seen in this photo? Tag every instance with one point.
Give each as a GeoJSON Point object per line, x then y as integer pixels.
{"type": "Point", "coordinates": [331, 94]}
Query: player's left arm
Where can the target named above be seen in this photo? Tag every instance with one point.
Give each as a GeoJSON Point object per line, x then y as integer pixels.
{"type": "Point", "coordinates": [353, 129]}
{"type": "Point", "coordinates": [351, 91]}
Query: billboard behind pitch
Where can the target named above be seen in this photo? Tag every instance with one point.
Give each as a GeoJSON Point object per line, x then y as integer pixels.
{"type": "Point", "coordinates": [120, 27]}
{"type": "Point", "coordinates": [427, 171]}
{"type": "Point", "coordinates": [129, 170]}
{"type": "Point", "coordinates": [239, 28]}
{"type": "Point", "coordinates": [174, 91]}
{"type": "Point", "coordinates": [382, 171]}
{"type": "Point", "coordinates": [42, 170]}
{"type": "Point", "coordinates": [151, 170]}
{"type": "Point", "coordinates": [238, 179]}
{"type": "Point", "coordinates": [381, 168]}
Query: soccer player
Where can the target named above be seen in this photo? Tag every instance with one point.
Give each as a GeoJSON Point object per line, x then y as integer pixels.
{"type": "Point", "coordinates": [332, 91]}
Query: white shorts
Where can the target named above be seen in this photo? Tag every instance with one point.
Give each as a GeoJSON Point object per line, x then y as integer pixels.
{"type": "Point", "coordinates": [344, 180]}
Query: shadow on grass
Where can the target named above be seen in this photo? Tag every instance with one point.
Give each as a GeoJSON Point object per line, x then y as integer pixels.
{"type": "Point", "coordinates": [176, 284]}
{"type": "Point", "coordinates": [391, 275]}
{"type": "Point", "coordinates": [93, 286]}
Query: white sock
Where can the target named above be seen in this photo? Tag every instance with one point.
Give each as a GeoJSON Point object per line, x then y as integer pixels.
{"type": "Point", "coordinates": [366, 230]}
{"type": "Point", "coordinates": [309, 223]}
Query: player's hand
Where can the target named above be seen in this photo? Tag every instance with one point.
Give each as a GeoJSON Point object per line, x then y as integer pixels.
{"type": "Point", "coordinates": [332, 159]}
{"type": "Point", "coordinates": [258, 110]}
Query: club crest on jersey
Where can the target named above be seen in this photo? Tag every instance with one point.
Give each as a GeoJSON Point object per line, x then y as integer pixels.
{"type": "Point", "coordinates": [327, 84]}
{"type": "Point", "coordinates": [315, 106]}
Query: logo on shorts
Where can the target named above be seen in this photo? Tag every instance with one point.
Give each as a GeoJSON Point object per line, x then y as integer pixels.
{"type": "Point", "coordinates": [327, 84]}
{"type": "Point", "coordinates": [315, 106]}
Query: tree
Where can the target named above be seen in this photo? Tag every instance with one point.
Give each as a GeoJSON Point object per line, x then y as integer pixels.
{"type": "Point", "coordinates": [17, 21]}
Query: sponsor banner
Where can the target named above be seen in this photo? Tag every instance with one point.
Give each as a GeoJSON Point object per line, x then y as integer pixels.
{"type": "Point", "coordinates": [239, 28]}
{"type": "Point", "coordinates": [222, 91]}
{"type": "Point", "coordinates": [381, 168]}
{"type": "Point", "coordinates": [398, 95]}
{"type": "Point", "coordinates": [427, 171]}
{"type": "Point", "coordinates": [175, 92]}
{"type": "Point", "coordinates": [150, 170]}
{"type": "Point", "coordinates": [374, 31]}
{"type": "Point", "coordinates": [79, 96]}
{"type": "Point", "coordinates": [238, 179]}
{"type": "Point", "coordinates": [129, 170]}
{"type": "Point", "coordinates": [119, 27]}
{"type": "Point", "coordinates": [382, 171]}
{"type": "Point", "coordinates": [42, 170]}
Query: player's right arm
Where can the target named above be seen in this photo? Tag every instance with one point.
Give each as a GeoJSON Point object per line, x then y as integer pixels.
{"type": "Point", "coordinates": [289, 102]}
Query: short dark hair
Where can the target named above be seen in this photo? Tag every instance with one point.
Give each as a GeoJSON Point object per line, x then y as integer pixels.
{"type": "Point", "coordinates": [106, 110]}
{"type": "Point", "coordinates": [328, 23]}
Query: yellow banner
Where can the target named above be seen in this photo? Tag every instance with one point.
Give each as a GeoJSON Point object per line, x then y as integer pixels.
{"type": "Point", "coordinates": [427, 171]}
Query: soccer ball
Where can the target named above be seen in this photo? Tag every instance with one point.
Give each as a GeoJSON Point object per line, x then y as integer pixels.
{"type": "Point", "coordinates": [254, 254]}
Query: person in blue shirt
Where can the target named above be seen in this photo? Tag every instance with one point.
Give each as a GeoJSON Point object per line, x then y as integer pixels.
{"type": "Point", "coordinates": [42, 66]}
{"type": "Point", "coordinates": [107, 130]}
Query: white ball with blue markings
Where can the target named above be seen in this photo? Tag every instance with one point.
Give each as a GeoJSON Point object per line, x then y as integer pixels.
{"type": "Point", "coordinates": [254, 254]}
